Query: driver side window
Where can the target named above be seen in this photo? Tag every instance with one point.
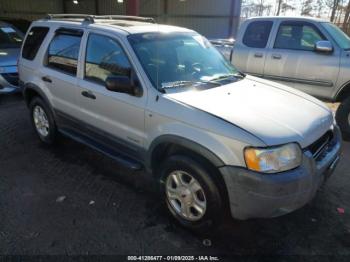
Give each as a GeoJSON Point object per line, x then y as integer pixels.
{"type": "Point", "coordinates": [297, 37]}
{"type": "Point", "coordinates": [104, 58]}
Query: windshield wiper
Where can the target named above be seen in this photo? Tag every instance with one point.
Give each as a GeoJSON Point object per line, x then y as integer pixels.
{"type": "Point", "coordinates": [176, 84]}
{"type": "Point", "coordinates": [223, 77]}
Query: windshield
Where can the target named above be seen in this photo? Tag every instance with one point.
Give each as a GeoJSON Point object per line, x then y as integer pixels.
{"type": "Point", "coordinates": [181, 59]}
{"type": "Point", "coordinates": [10, 37]}
{"type": "Point", "coordinates": [338, 35]}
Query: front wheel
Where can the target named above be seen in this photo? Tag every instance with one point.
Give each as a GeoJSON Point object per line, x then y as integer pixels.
{"type": "Point", "coordinates": [343, 118]}
{"type": "Point", "coordinates": [191, 194]}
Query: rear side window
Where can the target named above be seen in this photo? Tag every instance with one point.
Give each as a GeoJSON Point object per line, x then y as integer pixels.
{"type": "Point", "coordinates": [63, 52]}
{"type": "Point", "coordinates": [257, 34]}
{"type": "Point", "coordinates": [33, 42]}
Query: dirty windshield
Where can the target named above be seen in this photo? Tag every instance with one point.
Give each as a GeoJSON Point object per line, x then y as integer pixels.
{"type": "Point", "coordinates": [174, 60]}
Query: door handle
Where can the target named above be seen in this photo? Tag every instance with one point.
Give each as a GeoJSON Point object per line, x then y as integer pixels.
{"type": "Point", "coordinates": [88, 94]}
{"type": "Point", "coordinates": [258, 55]}
{"type": "Point", "coordinates": [276, 56]}
{"type": "Point", "coordinates": [46, 79]}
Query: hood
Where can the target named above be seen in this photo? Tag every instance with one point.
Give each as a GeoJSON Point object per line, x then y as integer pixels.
{"type": "Point", "coordinates": [9, 56]}
{"type": "Point", "coordinates": [274, 113]}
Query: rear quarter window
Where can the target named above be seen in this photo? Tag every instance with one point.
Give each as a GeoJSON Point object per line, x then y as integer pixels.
{"type": "Point", "coordinates": [257, 34]}
{"type": "Point", "coordinates": [33, 42]}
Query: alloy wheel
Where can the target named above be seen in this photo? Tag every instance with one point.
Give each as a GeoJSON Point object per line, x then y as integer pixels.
{"type": "Point", "coordinates": [186, 195]}
{"type": "Point", "coordinates": [41, 121]}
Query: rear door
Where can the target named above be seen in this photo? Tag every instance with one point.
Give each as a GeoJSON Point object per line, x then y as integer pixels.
{"type": "Point", "coordinates": [60, 71]}
{"type": "Point", "coordinates": [292, 60]}
{"type": "Point", "coordinates": [250, 48]}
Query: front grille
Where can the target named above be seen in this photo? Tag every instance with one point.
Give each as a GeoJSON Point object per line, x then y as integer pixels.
{"type": "Point", "coordinates": [12, 78]}
{"type": "Point", "coordinates": [321, 144]}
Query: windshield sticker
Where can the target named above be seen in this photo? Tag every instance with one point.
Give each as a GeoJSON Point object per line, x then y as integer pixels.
{"type": "Point", "coordinates": [8, 30]}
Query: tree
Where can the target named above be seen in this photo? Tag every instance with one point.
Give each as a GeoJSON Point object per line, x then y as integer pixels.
{"type": "Point", "coordinates": [279, 6]}
{"type": "Point", "coordinates": [255, 8]}
{"type": "Point", "coordinates": [346, 18]}
{"type": "Point", "coordinates": [319, 7]}
{"type": "Point", "coordinates": [334, 7]}
{"type": "Point", "coordinates": [286, 7]}
{"type": "Point", "coordinates": [307, 7]}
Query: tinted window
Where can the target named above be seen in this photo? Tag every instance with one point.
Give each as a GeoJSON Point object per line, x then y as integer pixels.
{"type": "Point", "coordinates": [33, 42]}
{"type": "Point", "coordinates": [63, 52]}
{"type": "Point", "coordinates": [257, 34]}
{"type": "Point", "coordinates": [297, 37]}
{"type": "Point", "coordinates": [104, 58]}
{"type": "Point", "coordinates": [10, 37]}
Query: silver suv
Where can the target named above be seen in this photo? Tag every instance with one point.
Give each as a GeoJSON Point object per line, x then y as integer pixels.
{"type": "Point", "coordinates": [162, 99]}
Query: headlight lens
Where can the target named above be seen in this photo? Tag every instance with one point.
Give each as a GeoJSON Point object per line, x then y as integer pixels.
{"type": "Point", "coordinates": [273, 160]}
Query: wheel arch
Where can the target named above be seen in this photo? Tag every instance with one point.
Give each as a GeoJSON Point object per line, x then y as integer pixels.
{"type": "Point", "coordinates": [31, 90]}
{"type": "Point", "coordinates": [343, 93]}
{"type": "Point", "coordinates": [165, 145]}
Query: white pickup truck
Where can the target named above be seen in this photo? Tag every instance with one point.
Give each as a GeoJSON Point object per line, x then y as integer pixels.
{"type": "Point", "coordinates": [309, 54]}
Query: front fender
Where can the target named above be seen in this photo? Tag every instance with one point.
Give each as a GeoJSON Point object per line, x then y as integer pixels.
{"type": "Point", "coordinates": [218, 149]}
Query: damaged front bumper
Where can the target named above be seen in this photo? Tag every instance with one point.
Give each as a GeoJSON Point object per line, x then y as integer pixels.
{"type": "Point", "coordinates": [258, 195]}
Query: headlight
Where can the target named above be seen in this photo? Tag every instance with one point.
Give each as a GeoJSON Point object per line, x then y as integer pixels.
{"type": "Point", "coordinates": [273, 160]}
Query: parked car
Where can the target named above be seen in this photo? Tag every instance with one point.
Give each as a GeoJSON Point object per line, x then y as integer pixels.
{"type": "Point", "coordinates": [10, 44]}
{"type": "Point", "coordinates": [19, 23]}
{"type": "Point", "coordinates": [308, 54]}
{"type": "Point", "coordinates": [163, 99]}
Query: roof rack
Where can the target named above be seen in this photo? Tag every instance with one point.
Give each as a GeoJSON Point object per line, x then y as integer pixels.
{"type": "Point", "coordinates": [93, 18]}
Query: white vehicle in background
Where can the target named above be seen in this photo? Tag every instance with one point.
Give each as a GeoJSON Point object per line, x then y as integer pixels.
{"type": "Point", "coordinates": [308, 54]}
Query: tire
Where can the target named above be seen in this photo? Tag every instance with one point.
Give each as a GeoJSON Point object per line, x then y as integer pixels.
{"type": "Point", "coordinates": [343, 118]}
{"type": "Point", "coordinates": [38, 107]}
{"type": "Point", "coordinates": [192, 171]}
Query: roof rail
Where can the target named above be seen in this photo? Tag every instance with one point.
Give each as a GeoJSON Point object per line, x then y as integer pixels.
{"type": "Point", "coordinates": [125, 17]}
{"type": "Point", "coordinates": [93, 18]}
{"type": "Point", "coordinates": [87, 18]}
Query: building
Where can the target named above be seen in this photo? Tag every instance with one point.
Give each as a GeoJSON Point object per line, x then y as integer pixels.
{"type": "Point", "coordinates": [212, 18]}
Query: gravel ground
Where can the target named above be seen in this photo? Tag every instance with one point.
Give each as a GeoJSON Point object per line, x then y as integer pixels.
{"type": "Point", "coordinates": [71, 200]}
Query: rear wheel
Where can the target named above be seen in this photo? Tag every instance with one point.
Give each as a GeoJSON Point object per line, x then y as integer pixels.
{"type": "Point", "coordinates": [191, 194]}
{"type": "Point", "coordinates": [43, 121]}
{"type": "Point", "coordinates": [343, 118]}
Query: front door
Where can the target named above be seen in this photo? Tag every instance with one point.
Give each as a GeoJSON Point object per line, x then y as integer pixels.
{"type": "Point", "coordinates": [293, 60]}
{"type": "Point", "coordinates": [115, 115]}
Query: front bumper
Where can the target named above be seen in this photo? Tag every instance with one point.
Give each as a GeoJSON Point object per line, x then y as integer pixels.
{"type": "Point", "coordinates": [257, 195]}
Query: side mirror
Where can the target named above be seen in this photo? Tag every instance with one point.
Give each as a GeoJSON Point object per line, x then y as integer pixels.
{"type": "Point", "coordinates": [323, 46]}
{"type": "Point", "coordinates": [123, 84]}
